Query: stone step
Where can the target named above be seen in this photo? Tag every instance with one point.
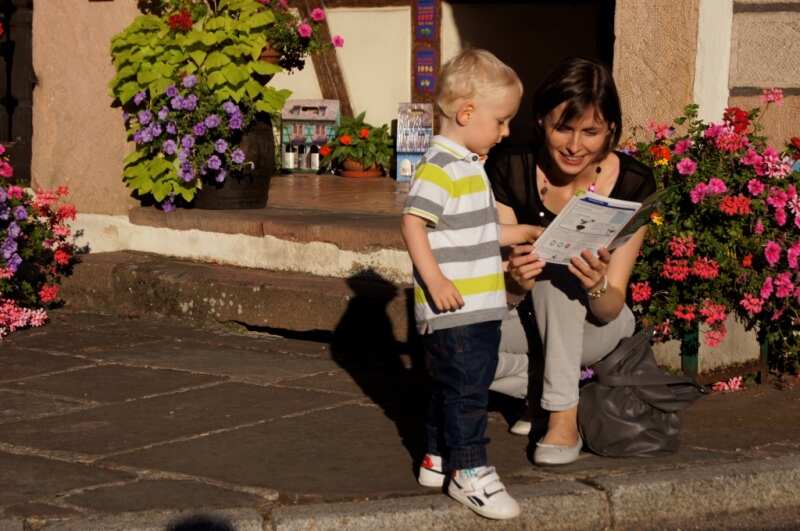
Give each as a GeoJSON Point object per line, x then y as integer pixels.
{"type": "Point", "coordinates": [135, 283]}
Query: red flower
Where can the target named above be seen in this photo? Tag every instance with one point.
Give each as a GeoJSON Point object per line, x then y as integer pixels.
{"type": "Point", "coordinates": [795, 143]}
{"type": "Point", "coordinates": [2, 30]}
{"type": "Point", "coordinates": [180, 21]}
{"type": "Point", "coordinates": [66, 212]}
{"type": "Point", "coordinates": [364, 133]}
{"type": "Point", "coordinates": [325, 150]}
{"type": "Point", "coordinates": [675, 269]}
{"type": "Point", "coordinates": [685, 312]}
{"type": "Point", "coordinates": [641, 291]}
{"type": "Point", "coordinates": [346, 140]}
{"type": "Point", "coordinates": [737, 118]}
{"type": "Point", "coordinates": [705, 268]}
{"type": "Point", "coordinates": [659, 152]}
{"type": "Point", "coordinates": [62, 257]}
{"type": "Point", "coordinates": [732, 205]}
{"type": "Point", "coordinates": [747, 261]}
{"type": "Point", "coordinates": [49, 293]}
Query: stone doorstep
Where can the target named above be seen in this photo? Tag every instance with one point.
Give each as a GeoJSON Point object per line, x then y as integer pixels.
{"type": "Point", "coordinates": [352, 231]}
{"type": "Point", "coordinates": [134, 283]}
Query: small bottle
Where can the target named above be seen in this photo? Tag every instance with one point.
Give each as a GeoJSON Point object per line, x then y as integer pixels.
{"type": "Point", "coordinates": [302, 160]}
{"type": "Point", "coordinates": [289, 161]}
{"type": "Point", "coordinates": [313, 158]}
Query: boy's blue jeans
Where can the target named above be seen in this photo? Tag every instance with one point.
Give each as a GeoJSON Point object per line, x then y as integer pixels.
{"type": "Point", "coordinates": [461, 362]}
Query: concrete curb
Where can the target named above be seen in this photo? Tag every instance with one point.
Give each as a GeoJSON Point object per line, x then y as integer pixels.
{"type": "Point", "coordinates": [234, 519]}
{"type": "Point", "coordinates": [629, 502]}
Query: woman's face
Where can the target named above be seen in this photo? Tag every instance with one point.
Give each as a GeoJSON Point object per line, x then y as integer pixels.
{"type": "Point", "coordinates": [576, 144]}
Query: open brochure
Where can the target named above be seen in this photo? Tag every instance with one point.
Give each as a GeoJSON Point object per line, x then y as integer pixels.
{"type": "Point", "coordinates": [591, 221]}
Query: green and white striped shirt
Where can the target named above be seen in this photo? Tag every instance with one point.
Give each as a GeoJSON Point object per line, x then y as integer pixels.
{"type": "Point", "coordinates": [451, 192]}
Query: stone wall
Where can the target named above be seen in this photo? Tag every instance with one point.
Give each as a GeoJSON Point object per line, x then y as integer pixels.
{"type": "Point", "coordinates": [78, 138]}
{"type": "Point", "coordinates": [654, 58]}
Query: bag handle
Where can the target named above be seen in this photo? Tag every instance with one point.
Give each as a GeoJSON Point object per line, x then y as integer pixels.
{"type": "Point", "coordinates": [619, 354]}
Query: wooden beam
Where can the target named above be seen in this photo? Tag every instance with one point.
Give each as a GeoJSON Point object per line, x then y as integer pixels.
{"type": "Point", "coordinates": [368, 3]}
{"type": "Point", "coordinates": [326, 64]}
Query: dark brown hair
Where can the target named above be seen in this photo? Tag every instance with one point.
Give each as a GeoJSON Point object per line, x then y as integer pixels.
{"type": "Point", "coordinates": [581, 83]}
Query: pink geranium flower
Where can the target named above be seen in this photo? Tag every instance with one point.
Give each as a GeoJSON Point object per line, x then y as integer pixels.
{"type": "Point", "coordinates": [751, 158]}
{"type": "Point", "coordinates": [784, 287]}
{"type": "Point", "coordinates": [686, 166]}
{"type": "Point", "coordinates": [304, 30]}
{"type": "Point", "coordinates": [717, 186]}
{"type": "Point", "coordinates": [792, 254]}
{"type": "Point", "coordinates": [698, 193]}
{"type": "Point", "coordinates": [780, 217]}
{"type": "Point", "coordinates": [759, 228]}
{"type": "Point", "coordinates": [715, 336]}
{"type": "Point", "coordinates": [755, 187]}
{"type": "Point", "coordinates": [772, 252]}
{"type": "Point", "coordinates": [772, 95]}
{"type": "Point", "coordinates": [766, 289]}
{"type": "Point", "coordinates": [682, 146]}
{"type": "Point", "coordinates": [752, 304]}
{"type": "Point", "coordinates": [641, 291]}
{"type": "Point", "coordinates": [317, 14]}
{"type": "Point", "coordinates": [338, 41]}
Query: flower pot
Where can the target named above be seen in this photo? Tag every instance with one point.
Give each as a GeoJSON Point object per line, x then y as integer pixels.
{"type": "Point", "coordinates": [353, 168]}
{"type": "Point", "coordinates": [250, 187]}
{"type": "Point", "coordinates": [270, 55]}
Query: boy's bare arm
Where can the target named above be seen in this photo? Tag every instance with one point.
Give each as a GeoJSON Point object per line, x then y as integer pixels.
{"type": "Point", "coordinates": [445, 295]}
{"type": "Point", "coordinates": [513, 234]}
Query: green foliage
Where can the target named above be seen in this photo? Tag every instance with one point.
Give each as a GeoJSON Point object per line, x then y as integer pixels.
{"type": "Point", "coordinates": [361, 142]}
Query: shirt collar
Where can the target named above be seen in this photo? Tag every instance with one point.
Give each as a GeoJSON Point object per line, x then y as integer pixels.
{"type": "Point", "coordinates": [456, 149]}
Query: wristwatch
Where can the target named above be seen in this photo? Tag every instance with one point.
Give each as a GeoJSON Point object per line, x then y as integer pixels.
{"type": "Point", "coordinates": [596, 293]}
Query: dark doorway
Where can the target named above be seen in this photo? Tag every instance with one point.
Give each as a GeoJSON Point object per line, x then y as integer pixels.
{"type": "Point", "coordinates": [532, 36]}
{"type": "Point", "coordinates": [16, 84]}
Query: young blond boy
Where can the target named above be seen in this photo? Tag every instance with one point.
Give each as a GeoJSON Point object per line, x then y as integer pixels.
{"type": "Point", "coordinates": [450, 229]}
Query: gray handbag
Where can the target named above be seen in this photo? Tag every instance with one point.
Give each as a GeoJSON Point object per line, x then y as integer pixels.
{"type": "Point", "coordinates": [631, 408]}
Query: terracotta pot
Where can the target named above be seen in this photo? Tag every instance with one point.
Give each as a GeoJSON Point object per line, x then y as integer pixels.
{"type": "Point", "coordinates": [270, 55]}
{"type": "Point", "coordinates": [353, 168]}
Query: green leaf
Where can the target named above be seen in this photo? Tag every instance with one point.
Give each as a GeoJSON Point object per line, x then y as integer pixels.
{"type": "Point", "coordinates": [264, 68]}
{"type": "Point", "coordinates": [159, 86]}
{"type": "Point", "coordinates": [216, 23]}
{"type": "Point", "coordinates": [185, 190]}
{"type": "Point", "coordinates": [142, 184]}
{"type": "Point", "coordinates": [215, 79]}
{"type": "Point", "coordinates": [161, 190]}
{"type": "Point", "coordinates": [235, 75]}
{"type": "Point", "coordinates": [253, 88]}
{"type": "Point", "coordinates": [127, 91]}
{"type": "Point", "coordinates": [209, 39]}
{"type": "Point", "coordinates": [261, 19]}
{"type": "Point", "coordinates": [146, 76]}
{"type": "Point", "coordinates": [133, 156]}
{"type": "Point", "coordinates": [216, 60]}
{"type": "Point", "coordinates": [198, 56]}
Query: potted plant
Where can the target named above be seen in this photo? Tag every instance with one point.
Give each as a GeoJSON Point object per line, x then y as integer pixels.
{"type": "Point", "coordinates": [37, 250]}
{"type": "Point", "coordinates": [291, 38]}
{"type": "Point", "coordinates": [359, 149]}
{"type": "Point", "coordinates": [192, 87]}
{"type": "Point", "coordinates": [727, 237]}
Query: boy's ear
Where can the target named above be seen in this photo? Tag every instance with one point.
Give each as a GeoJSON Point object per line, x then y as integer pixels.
{"type": "Point", "coordinates": [464, 113]}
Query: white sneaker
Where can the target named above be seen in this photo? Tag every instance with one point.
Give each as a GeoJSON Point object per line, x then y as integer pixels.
{"type": "Point", "coordinates": [521, 427]}
{"type": "Point", "coordinates": [430, 471]}
{"type": "Point", "coordinates": [484, 494]}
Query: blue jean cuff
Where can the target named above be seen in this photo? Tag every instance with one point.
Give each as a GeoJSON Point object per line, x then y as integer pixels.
{"type": "Point", "coordinates": [469, 457]}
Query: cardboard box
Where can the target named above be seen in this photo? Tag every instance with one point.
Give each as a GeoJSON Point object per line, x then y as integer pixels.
{"type": "Point", "coordinates": [306, 123]}
{"type": "Point", "coordinates": [414, 133]}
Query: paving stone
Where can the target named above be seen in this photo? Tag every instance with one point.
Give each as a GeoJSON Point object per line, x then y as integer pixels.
{"type": "Point", "coordinates": [20, 406]}
{"type": "Point", "coordinates": [21, 363]}
{"type": "Point", "coordinates": [355, 451]}
{"type": "Point", "coordinates": [26, 477]}
{"type": "Point", "coordinates": [12, 524]}
{"type": "Point", "coordinates": [338, 381]}
{"type": "Point", "coordinates": [112, 383]}
{"type": "Point", "coordinates": [162, 494]}
{"type": "Point", "coordinates": [40, 511]}
{"type": "Point", "coordinates": [83, 341]}
{"type": "Point", "coordinates": [138, 423]}
{"type": "Point", "coordinates": [246, 365]}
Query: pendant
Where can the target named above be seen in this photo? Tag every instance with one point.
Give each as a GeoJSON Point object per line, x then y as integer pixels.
{"type": "Point", "coordinates": [542, 190]}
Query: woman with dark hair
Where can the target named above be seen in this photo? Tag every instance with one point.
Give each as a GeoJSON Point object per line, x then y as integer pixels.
{"type": "Point", "coordinates": [579, 310]}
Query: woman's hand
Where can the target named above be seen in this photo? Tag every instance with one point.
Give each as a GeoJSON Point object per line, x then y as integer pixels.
{"type": "Point", "coordinates": [524, 266]}
{"type": "Point", "coordinates": [590, 270]}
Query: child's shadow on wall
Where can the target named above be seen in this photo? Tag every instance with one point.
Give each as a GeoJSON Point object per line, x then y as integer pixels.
{"type": "Point", "coordinates": [390, 372]}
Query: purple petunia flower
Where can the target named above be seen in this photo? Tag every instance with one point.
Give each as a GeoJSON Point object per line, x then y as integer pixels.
{"type": "Point", "coordinates": [212, 121]}
{"type": "Point", "coordinates": [176, 103]}
{"type": "Point", "coordinates": [187, 141]}
{"type": "Point", "coordinates": [169, 147]}
{"type": "Point", "coordinates": [237, 156]}
{"type": "Point", "coordinates": [214, 162]}
{"type": "Point", "coordinates": [235, 121]}
{"type": "Point", "coordinates": [172, 128]}
{"type": "Point", "coordinates": [125, 116]}
{"type": "Point", "coordinates": [144, 117]}
{"type": "Point", "coordinates": [3, 195]}
{"type": "Point", "coordinates": [163, 113]}
{"type": "Point", "coordinates": [190, 81]}
{"type": "Point", "coordinates": [5, 213]}
{"type": "Point", "coordinates": [172, 91]}
{"type": "Point", "coordinates": [20, 214]}
{"type": "Point", "coordinates": [168, 205]}
{"type": "Point", "coordinates": [14, 262]}
{"type": "Point", "coordinates": [146, 136]}
{"type": "Point", "coordinates": [8, 248]}
{"type": "Point", "coordinates": [220, 146]}
{"type": "Point", "coordinates": [155, 130]}
{"type": "Point", "coordinates": [190, 102]}
{"type": "Point", "coordinates": [187, 172]}
{"type": "Point", "coordinates": [220, 176]}
{"type": "Point", "coordinates": [199, 129]}
{"type": "Point", "coordinates": [139, 98]}
{"type": "Point", "coordinates": [183, 155]}
{"type": "Point", "coordinates": [13, 230]}
{"type": "Point", "coordinates": [230, 108]}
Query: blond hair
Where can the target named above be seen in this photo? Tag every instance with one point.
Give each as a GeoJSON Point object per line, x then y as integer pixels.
{"type": "Point", "coordinates": [472, 73]}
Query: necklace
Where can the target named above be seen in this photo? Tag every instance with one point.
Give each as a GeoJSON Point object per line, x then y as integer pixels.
{"type": "Point", "coordinates": [592, 187]}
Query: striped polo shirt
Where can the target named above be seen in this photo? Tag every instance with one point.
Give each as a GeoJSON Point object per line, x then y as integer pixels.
{"type": "Point", "coordinates": [451, 192]}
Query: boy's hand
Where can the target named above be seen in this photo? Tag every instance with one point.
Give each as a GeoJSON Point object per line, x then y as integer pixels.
{"type": "Point", "coordinates": [532, 232]}
{"type": "Point", "coordinates": [446, 297]}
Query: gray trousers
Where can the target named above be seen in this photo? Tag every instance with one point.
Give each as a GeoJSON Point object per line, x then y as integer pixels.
{"type": "Point", "coordinates": [571, 338]}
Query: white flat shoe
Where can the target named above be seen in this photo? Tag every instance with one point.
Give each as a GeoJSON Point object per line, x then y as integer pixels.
{"type": "Point", "coordinates": [556, 454]}
{"type": "Point", "coordinates": [521, 427]}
